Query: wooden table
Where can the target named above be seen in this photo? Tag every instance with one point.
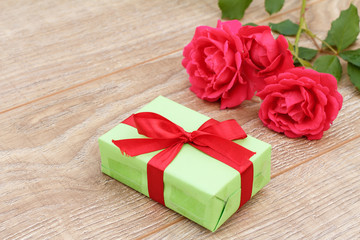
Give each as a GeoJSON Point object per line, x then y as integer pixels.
{"type": "Point", "coordinates": [72, 70]}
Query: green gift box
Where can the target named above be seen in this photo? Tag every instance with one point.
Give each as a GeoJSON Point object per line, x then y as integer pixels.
{"type": "Point", "coordinates": [196, 185]}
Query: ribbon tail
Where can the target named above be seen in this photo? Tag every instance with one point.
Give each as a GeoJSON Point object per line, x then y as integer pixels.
{"type": "Point", "coordinates": [137, 146]}
{"type": "Point", "coordinates": [234, 156]}
{"type": "Point", "coordinates": [247, 177]}
{"type": "Point", "coordinates": [227, 151]}
{"type": "Point", "coordinates": [155, 171]}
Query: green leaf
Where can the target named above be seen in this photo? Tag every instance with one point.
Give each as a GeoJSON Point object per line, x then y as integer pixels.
{"type": "Point", "coordinates": [344, 29]}
{"type": "Point", "coordinates": [354, 74]}
{"type": "Point", "coordinates": [329, 64]}
{"type": "Point", "coordinates": [233, 9]}
{"type": "Point", "coordinates": [273, 6]}
{"type": "Point", "coordinates": [251, 24]}
{"type": "Point", "coordinates": [352, 56]}
{"type": "Point", "coordinates": [303, 62]}
{"type": "Point", "coordinates": [307, 53]}
{"type": "Point", "coordinates": [287, 27]}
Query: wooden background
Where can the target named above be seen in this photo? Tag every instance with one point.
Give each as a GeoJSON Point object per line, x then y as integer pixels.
{"type": "Point", "coordinates": [72, 70]}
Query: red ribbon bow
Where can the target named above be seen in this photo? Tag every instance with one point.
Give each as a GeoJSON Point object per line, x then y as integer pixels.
{"type": "Point", "coordinates": [213, 138]}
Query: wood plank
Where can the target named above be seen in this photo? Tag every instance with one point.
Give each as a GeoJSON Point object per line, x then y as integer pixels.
{"type": "Point", "coordinates": [47, 47]}
{"type": "Point", "coordinates": [47, 120]}
{"type": "Point", "coordinates": [52, 166]}
{"type": "Point", "coordinates": [317, 200]}
{"type": "Point", "coordinates": [51, 184]}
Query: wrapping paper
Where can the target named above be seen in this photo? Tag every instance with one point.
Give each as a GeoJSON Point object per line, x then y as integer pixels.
{"type": "Point", "coordinates": [196, 185]}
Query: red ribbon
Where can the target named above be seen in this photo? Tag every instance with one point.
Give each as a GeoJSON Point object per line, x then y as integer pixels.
{"type": "Point", "coordinates": [213, 138]}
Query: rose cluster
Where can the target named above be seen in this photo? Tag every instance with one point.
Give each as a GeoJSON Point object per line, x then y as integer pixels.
{"type": "Point", "coordinates": [232, 62]}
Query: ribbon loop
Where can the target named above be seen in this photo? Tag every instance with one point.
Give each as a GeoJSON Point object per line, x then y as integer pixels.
{"type": "Point", "coordinates": [230, 128]}
{"type": "Point", "coordinates": [213, 138]}
{"type": "Point", "coordinates": [156, 126]}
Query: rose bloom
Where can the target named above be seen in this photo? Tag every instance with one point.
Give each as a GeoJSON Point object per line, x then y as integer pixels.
{"type": "Point", "coordinates": [230, 62]}
{"type": "Point", "coordinates": [213, 61]}
{"type": "Point", "coordinates": [264, 55]}
{"type": "Point", "coordinates": [300, 102]}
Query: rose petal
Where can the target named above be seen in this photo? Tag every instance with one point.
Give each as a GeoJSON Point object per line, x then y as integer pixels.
{"type": "Point", "coordinates": [292, 134]}
{"type": "Point", "coordinates": [224, 78]}
{"type": "Point", "coordinates": [271, 66]}
{"type": "Point", "coordinates": [298, 104]}
{"type": "Point", "coordinates": [316, 136]}
{"type": "Point", "coordinates": [292, 98]}
{"type": "Point", "coordinates": [297, 114]}
{"type": "Point", "coordinates": [329, 81]}
{"type": "Point", "coordinates": [236, 95]}
{"type": "Point", "coordinates": [331, 109]}
{"type": "Point", "coordinates": [232, 26]}
{"type": "Point", "coordinates": [311, 124]}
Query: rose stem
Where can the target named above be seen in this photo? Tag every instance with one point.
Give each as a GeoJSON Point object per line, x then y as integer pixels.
{"type": "Point", "coordinates": [301, 27]}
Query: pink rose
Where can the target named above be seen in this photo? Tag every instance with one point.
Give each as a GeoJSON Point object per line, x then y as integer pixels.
{"type": "Point", "coordinates": [264, 55]}
{"type": "Point", "coordinates": [230, 62]}
{"type": "Point", "coordinates": [300, 102]}
{"type": "Point", "coordinates": [213, 61]}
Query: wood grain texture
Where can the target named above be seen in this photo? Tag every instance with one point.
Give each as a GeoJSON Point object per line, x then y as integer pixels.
{"type": "Point", "coordinates": [317, 200]}
{"type": "Point", "coordinates": [56, 142]}
{"type": "Point", "coordinates": [49, 47]}
{"type": "Point", "coordinates": [81, 112]}
{"type": "Point", "coordinates": [51, 185]}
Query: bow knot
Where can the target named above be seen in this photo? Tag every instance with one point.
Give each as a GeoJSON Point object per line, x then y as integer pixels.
{"type": "Point", "coordinates": [213, 138]}
{"type": "Point", "coordinates": [188, 137]}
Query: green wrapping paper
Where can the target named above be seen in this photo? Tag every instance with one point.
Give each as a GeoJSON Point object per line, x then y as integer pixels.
{"type": "Point", "coordinates": [196, 185]}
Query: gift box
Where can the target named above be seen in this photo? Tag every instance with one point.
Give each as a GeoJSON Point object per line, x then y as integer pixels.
{"type": "Point", "coordinates": [197, 182]}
